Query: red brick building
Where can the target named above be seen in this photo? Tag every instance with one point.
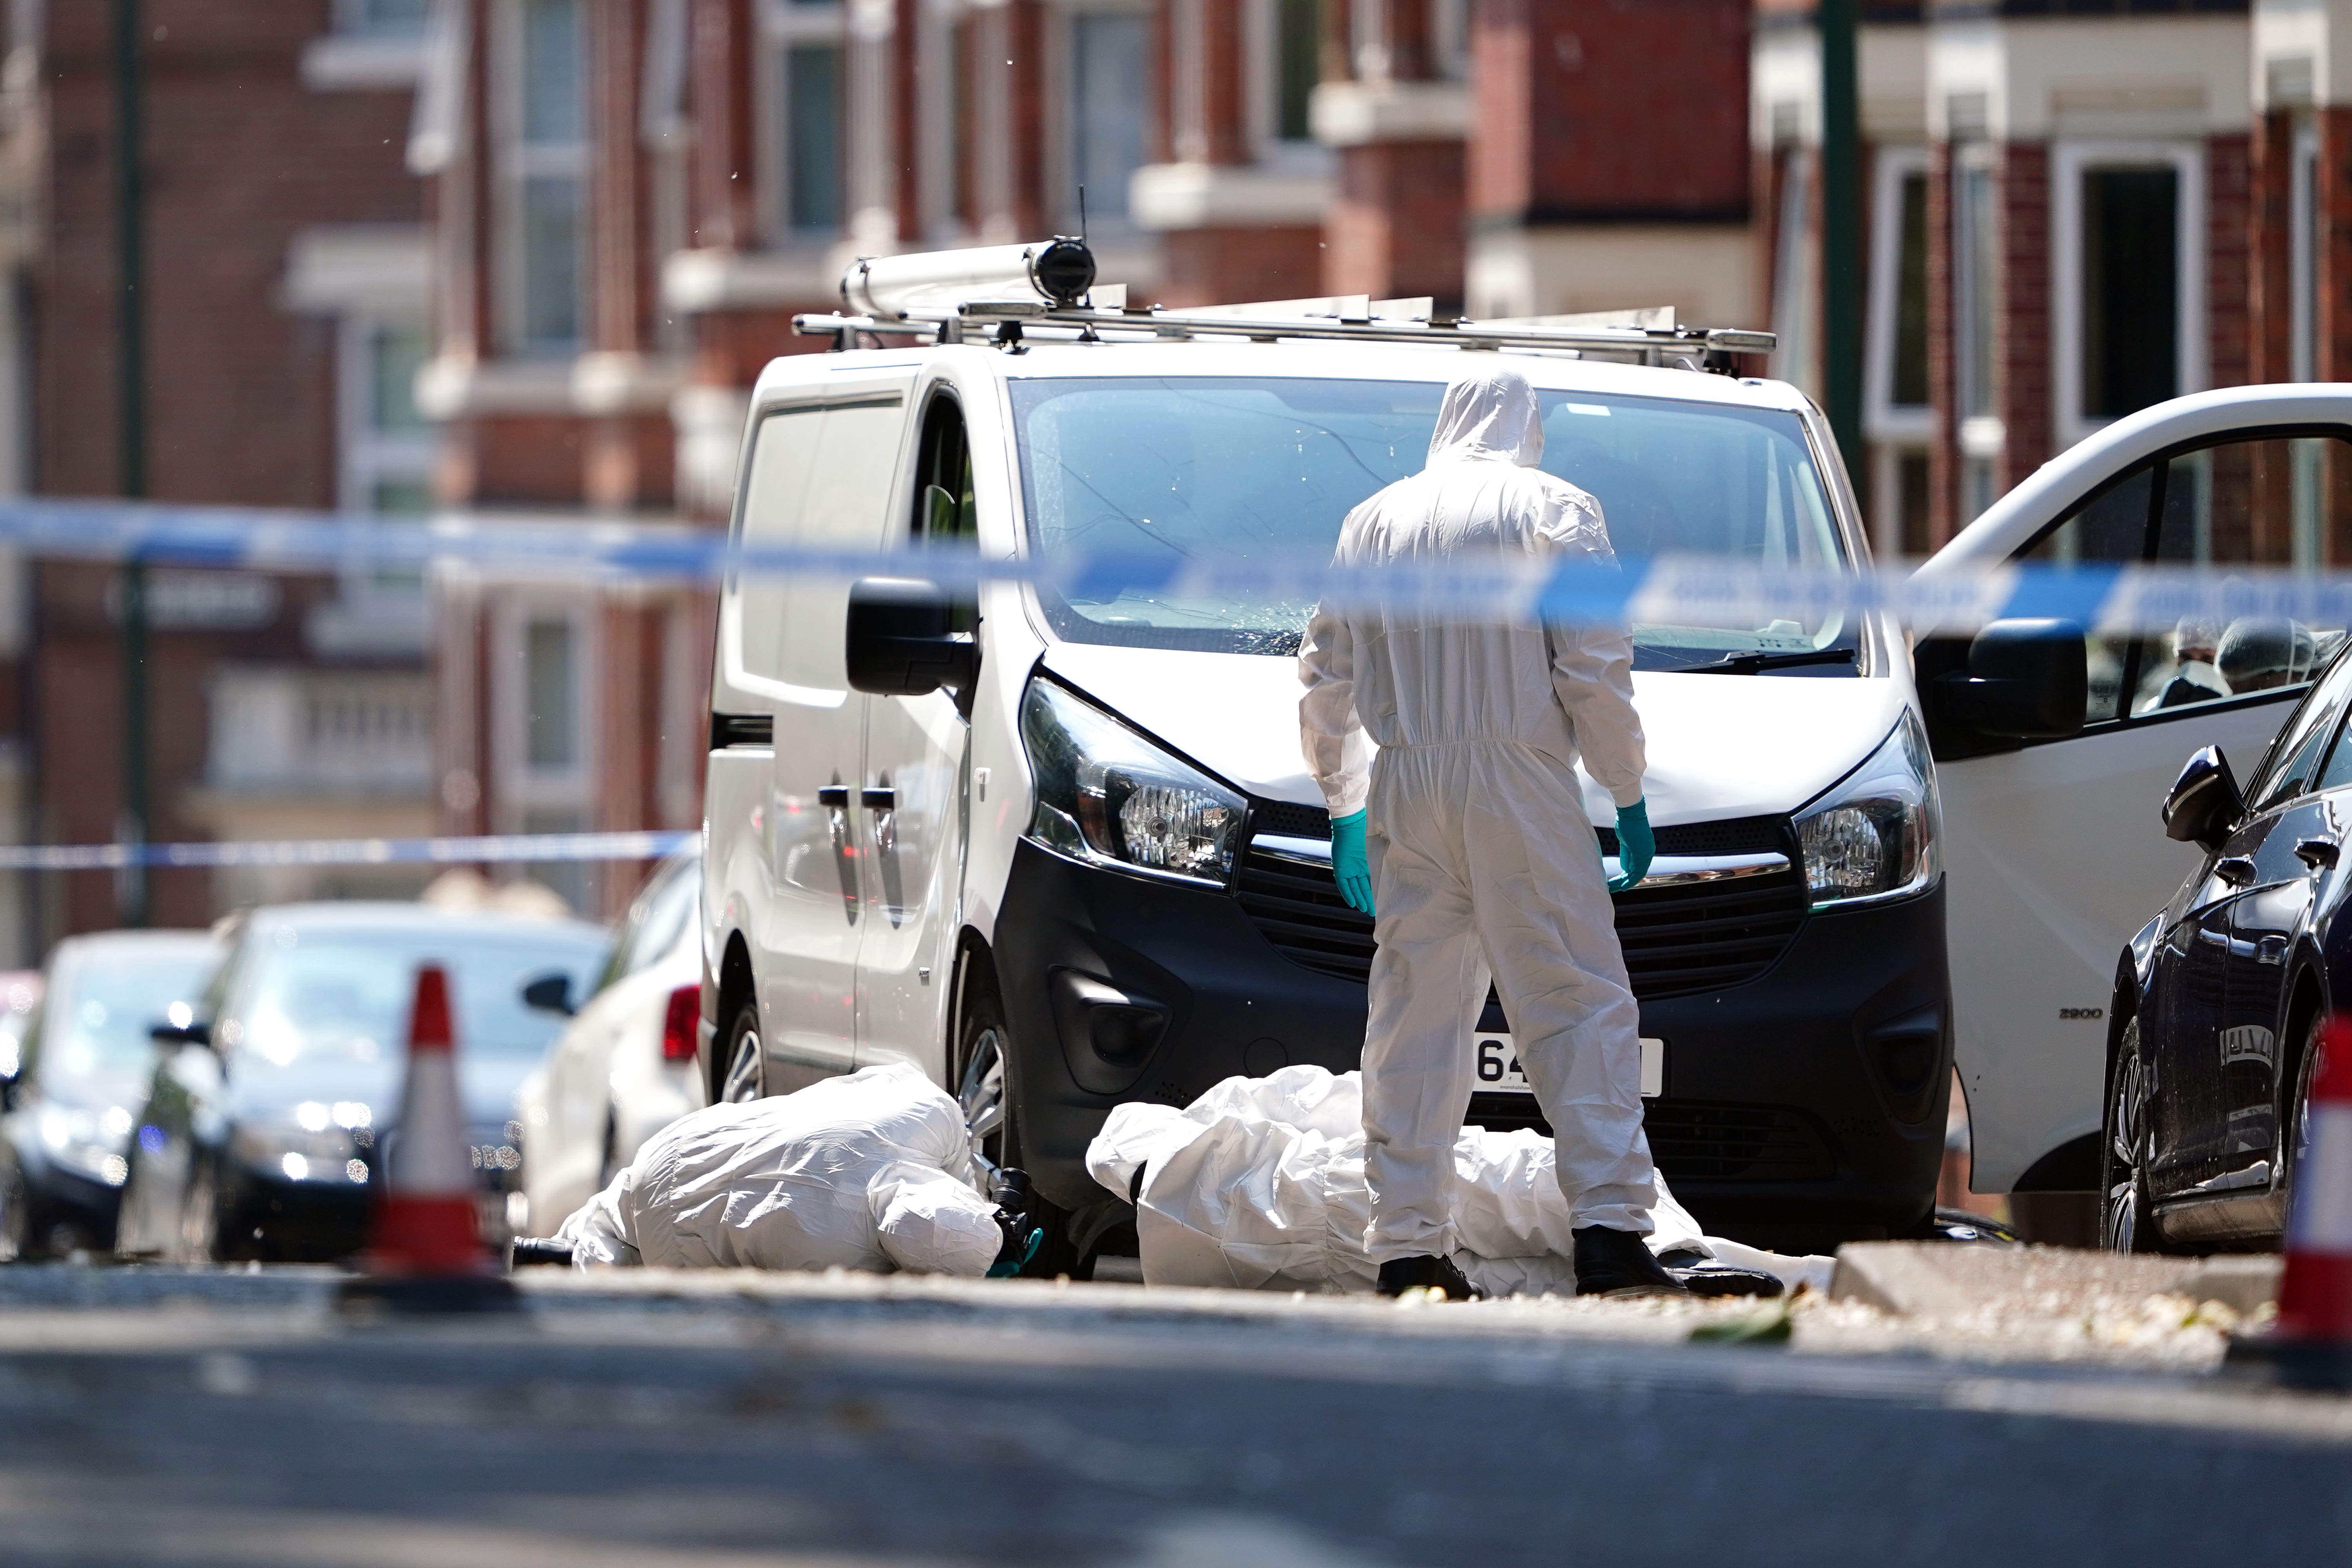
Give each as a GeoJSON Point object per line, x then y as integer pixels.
{"type": "Point", "coordinates": [631, 198]}
{"type": "Point", "coordinates": [282, 302]}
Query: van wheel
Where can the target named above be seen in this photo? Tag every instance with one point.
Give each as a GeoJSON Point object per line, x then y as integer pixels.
{"type": "Point", "coordinates": [746, 1075]}
{"type": "Point", "coordinates": [984, 1089]}
{"type": "Point", "coordinates": [2125, 1222]}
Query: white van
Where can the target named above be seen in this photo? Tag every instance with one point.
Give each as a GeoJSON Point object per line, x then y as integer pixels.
{"type": "Point", "coordinates": [1061, 848]}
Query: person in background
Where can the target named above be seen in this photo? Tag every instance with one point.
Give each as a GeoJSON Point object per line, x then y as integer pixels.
{"type": "Point", "coordinates": [2194, 676]}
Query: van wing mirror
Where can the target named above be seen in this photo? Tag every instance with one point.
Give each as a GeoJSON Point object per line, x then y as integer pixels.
{"type": "Point", "coordinates": [2203, 803]}
{"type": "Point", "coordinates": [2025, 680]}
{"type": "Point", "coordinates": [902, 641]}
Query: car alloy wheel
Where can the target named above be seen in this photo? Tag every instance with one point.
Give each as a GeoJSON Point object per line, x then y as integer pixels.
{"type": "Point", "coordinates": [979, 1091]}
{"type": "Point", "coordinates": [2295, 1126]}
{"type": "Point", "coordinates": [747, 1061]}
{"type": "Point", "coordinates": [2124, 1219]}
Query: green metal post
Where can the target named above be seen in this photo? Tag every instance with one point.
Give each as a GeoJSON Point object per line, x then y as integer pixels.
{"type": "Point", "coordinates": [131, 368]}
{"type": "Point", "coordinates": [1842, 251]}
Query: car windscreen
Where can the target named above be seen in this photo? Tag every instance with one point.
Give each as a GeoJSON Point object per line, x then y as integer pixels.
{"type": "Point", "coordinates": [347, 993]}
{"type": "Point", "coordinates": [1171, 469]}
{"type": "Point", "coordinates": [96, 1018]}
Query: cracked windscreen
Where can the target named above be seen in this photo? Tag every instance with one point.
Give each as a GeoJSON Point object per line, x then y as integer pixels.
{"type": "Point", "coordinates": [1165, 471]}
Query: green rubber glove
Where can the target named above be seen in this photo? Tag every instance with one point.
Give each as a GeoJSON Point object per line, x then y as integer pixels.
{"type": "Point", "coordinates": [1349, 864]}
{"type": "Point", "coordinates": [1636, 847]}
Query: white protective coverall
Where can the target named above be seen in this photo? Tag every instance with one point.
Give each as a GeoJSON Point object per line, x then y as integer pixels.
{"type": "Point", "coordinates": [1259, 1186]}
{"type": "Point", "coordinates": [870, 1172]}
{"type": "Point", "coordinates": [1483, 861]}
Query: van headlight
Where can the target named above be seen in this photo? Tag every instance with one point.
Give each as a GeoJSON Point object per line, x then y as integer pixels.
{"type": "Point", "coordinates": [1106, 794]}
{"type": "Point", "coordinates": [1876, 835]}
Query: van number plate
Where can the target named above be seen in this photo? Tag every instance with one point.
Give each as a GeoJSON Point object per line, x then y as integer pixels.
{"type": "Point", "coordinates": [1499, 1066]}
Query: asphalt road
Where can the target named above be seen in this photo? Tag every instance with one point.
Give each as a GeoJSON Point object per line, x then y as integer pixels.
{"type": "Point", "coordinates": [162, 1420]}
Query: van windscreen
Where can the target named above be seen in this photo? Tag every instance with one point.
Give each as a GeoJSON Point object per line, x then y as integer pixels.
{"type": "Point", "coordinates": [1192, 468]}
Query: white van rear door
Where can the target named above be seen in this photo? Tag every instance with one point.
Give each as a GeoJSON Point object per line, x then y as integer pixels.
{"type": "Point", "coordinates": [2055, 850]}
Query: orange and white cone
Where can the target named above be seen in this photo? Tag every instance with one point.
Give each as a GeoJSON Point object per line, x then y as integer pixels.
{"type": "Point", "coordinates": [2311, 1344]}
{"type": "Point", "coordinates": [426, 1249]}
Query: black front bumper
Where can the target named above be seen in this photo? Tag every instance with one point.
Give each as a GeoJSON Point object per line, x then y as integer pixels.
{"type": "Point", "coordinates": [1801, 1108]}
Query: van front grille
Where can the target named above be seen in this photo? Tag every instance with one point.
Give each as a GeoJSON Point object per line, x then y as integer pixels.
{"type": "Point", "coordinates": [1696, 1140]}
{"type": "Point", "coordinates": [1678, 942]}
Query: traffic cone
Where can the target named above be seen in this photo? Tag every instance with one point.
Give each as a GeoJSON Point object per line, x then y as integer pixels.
{"type": "Point", "coordinates": [2310, 1345]}
{"type": "Point", "coordinates": [425, 1253]}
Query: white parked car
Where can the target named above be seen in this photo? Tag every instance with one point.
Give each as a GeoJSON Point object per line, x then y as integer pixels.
{"type": "Point", "coordinates": [623, 1069]}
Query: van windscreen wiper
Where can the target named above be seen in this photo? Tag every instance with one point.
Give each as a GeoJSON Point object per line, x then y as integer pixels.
{"type": "Point", "coordinates": [1750, 663]}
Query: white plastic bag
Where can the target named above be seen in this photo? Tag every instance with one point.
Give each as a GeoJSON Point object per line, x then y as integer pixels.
{"type": "Point", "coordinates": [1260, 1185]}
{"type": "Point", "coordinates": [870, 1172]}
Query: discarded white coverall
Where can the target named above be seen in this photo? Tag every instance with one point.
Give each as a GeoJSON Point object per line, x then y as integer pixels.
{"type": "Point", "coordinates": [1482, 860]}
{"type": "Point", "coordinates": [870, 1172]}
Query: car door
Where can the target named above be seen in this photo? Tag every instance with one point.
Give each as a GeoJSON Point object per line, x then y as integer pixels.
{"type": "Point", "coordinates": [825, 469]}
{"type": "Point", "coordinates": [2054, 854]}
{"type": "Point", "coordinates": [911, 793]}
{"type": "Point", "coordinates": [2287, 844]}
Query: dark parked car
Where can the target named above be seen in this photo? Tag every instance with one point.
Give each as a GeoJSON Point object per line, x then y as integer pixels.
{"type": "Point", "coordinates": [267, 1121]}
{"type": "Point", "coordinates": [2219, 1000]}
{"type": "Point", "coordinates": [77, 1073]}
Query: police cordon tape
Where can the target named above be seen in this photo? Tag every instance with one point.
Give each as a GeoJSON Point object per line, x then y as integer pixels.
{"type": "Point", "coordinates": [1688, 590]}
{"type": "Point", "coordinates": [493, 849]}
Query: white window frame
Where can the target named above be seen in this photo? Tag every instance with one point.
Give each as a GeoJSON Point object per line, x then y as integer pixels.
{"type": "Point", "coordinates": [1982, 436]}
{"type": "Point", "coordinates": [1883, 419]}
{"type": "Point", "coordinates": [783, 25]}
{"type": "Point", "coordinates": [364, 454]}
{"type": "Point", "coordinates": [1062, 119]}
{"type": "Point", "coordinates": [2069, 162]}
{"type": "Point", "coordinates": [518, 161]}
{"type": "Point", "coordinates": [1262, 63]}
{"type": "Point", "coordinates": [521, 787]}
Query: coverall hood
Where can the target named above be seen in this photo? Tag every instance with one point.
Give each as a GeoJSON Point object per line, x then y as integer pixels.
{"type": "Point", "coordinates": [1489, 413]}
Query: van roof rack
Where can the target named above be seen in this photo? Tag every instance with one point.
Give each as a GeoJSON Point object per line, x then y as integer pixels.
{"type": "Point", "coordinates": [1691, 348]}
{"type": "Point", "coordinates": [1014, 290]}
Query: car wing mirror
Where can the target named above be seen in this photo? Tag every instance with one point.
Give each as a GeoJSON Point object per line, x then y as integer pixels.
{"type": "Point", "coordinates": [902, 640]}
{"type": "Point", "coordinates": [2025, 680]}
{"type": "Point", "coordinates": [549, 994]}
{"type": "Point", "coordinates": [2203, 803]}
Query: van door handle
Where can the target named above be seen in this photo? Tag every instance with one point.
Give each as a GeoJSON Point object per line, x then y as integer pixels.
{"type": "Point", "coordinates": [2236, 870]}
{"type": "Point", "coordinates": [878, 799]}
{"type": "Point", "coordinates": [834, 796]}
{"type": "Point", "coordinates": [2319, 854]}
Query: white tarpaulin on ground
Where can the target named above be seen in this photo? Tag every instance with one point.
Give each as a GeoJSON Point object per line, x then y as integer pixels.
{"type": "Point", "coordinates": [869, 1172]}
{"type": "Point", "coordinates": [1259, 1184]}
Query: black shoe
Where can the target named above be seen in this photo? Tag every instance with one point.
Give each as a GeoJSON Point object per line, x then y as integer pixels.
{"type": "Point", "coordinates": [1398, 1275]}
{"type": "Point", "coordinates": [1618, 1262]}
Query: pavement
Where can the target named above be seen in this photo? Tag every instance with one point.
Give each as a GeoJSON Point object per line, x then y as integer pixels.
{"type": "Point", "coordinates": [153, 1417]}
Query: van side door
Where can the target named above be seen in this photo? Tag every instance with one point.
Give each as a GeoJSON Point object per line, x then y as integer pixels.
{"type": "Point", "coordinates": [820, 478]}
{"type": "Point", "coordinates": [912, 791]}
{"type": "Point", "coordinates": [2054, 853]}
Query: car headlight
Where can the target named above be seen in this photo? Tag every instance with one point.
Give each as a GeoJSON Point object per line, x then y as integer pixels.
{"type": "Point", "coordinates": [1876, 835]}
{"type": "Point", "coordinates": [294, 1153]}
{"type": "Point", "coordinates": [88, 1141]}
{"type": "Point", "coordinates": [1106, 794]}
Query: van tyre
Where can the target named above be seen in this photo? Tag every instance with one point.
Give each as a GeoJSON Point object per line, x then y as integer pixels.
{"type": "Point", "coordinates": [743, 1063]}
{"type": "Point", "coordinates": [2126, 1223]}
{"type": "Point", "coordinates": [987, 1088]}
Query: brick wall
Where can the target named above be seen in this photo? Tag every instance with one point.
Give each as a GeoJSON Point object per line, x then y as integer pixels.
{"type": "Point", "coordinates": [1217, 265]}
{"type": "Point", "coordinates": [2021, 346]}
{"type": "Point", "coordinates": [2229, 277]}
{"type": "Point", "coordinates": [1589, 109]}
{"type": "Point", "coordinates": [1394, 229]}
{"type": "Point", "coordinates": [2267, 239]}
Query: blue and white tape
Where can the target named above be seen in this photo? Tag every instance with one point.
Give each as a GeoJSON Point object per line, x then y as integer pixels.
{"type": "Point", "coordinates": [498, 849]}
{"type": "Point", "coordinates": [1685, 590]}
